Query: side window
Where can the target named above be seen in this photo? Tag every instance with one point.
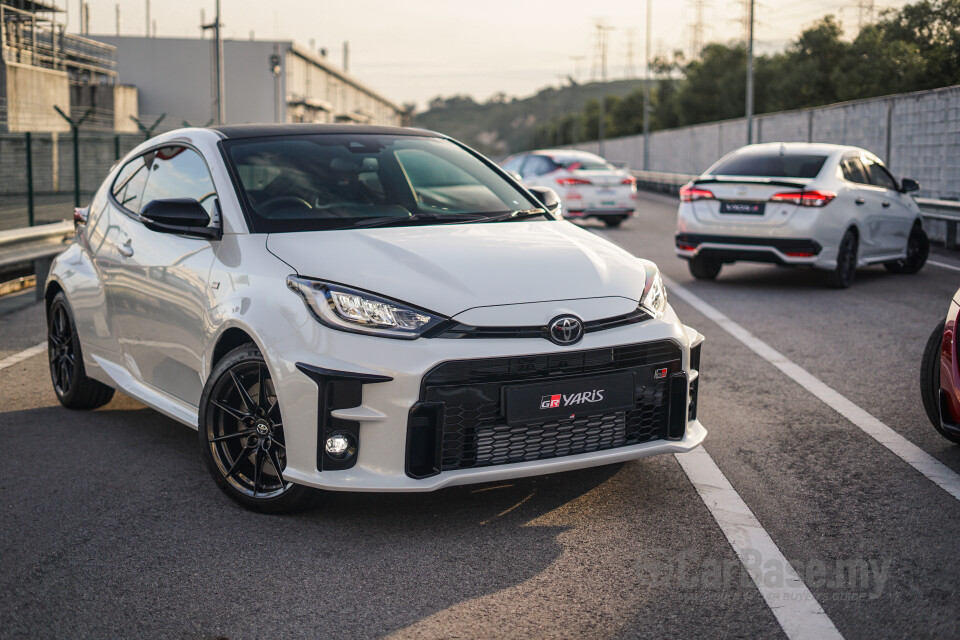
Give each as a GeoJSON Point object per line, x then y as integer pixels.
{"type": "Point", "coordinates": [128, 187]}
{"type": "Point", "coordinates": [536, 166]}
{"type": "Point", "coordinates": [879, 176]}
{"type": "Point", "coordinates": [513, 164]}
{"type": "Point", "coordinates": [180, 172]}
{"type": "Point", "coordinates": [853, 170]}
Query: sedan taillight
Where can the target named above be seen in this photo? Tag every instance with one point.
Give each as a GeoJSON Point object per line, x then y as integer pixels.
{"type": "Point", "coordinates": [629, 180]}
{"type": "Point", "coordinates": [570, 182]}
{"type": "Point", "coordinates": [805, 198]}
{"type": "Point", "coordinates": [690, 194]}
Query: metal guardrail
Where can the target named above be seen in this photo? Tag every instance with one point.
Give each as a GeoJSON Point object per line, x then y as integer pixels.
{"type": "Point", "coordinates": [38, 245]}
{"type": "Point", "coordinates": [947, 211]}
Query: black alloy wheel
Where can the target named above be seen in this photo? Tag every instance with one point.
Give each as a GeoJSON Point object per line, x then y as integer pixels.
{"type": "Point", "coordinates": [241, 435]}
{"type": "Point", "coordinates": [842, 277]}
{"type": "Point", "coordinates": [73, 388]}
{"type": "Point", "coordinates": [918, 249]}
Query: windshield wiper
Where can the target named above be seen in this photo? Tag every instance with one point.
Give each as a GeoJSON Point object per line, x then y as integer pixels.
{"type": "Point", "coordinates": [520, 214]}
{"type": "Point", "coordinates": [413, 219]}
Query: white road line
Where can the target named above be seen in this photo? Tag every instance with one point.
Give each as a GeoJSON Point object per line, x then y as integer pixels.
{"type": "Point", "coordinates": [942, 475]}
{"type": "Point", "coordinates": [796, 609]}
{"type": "Point", "coordinates": [9, 361]}
{"type": "Point", "coordinates": [944, 265]}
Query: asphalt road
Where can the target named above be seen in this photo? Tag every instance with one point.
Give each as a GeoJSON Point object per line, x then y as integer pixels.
{"type": "Point", "coordinates": [110, 528]}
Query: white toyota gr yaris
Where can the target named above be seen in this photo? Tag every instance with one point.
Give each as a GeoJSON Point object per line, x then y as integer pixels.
{"type": "Point", "coordinates": [825, 206]}
{"type": "Point", "coordinates": [363, 309]}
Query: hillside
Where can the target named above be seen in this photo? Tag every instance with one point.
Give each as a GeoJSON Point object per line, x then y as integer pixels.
{"type": "Point", "coordinates": [503, 125]}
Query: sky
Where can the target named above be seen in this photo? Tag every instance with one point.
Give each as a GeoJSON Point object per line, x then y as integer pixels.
{"type": "Point", "coordinates": [414, 50]}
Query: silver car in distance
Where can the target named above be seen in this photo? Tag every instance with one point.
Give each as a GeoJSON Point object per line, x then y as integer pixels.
{"type": "Point", "coordinates": [825, 206]}
{"type": "Point", "coordinates": [358, 308]}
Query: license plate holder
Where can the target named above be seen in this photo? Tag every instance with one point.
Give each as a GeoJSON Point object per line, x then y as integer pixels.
{"type": "Point", "coordinates": [743, 208]}
{"type": "Point", "coordinates": [526, 403]}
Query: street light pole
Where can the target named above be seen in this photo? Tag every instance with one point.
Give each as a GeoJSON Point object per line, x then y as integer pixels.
{"type": "Point", "coordinates": [219, 116]}
{"type": "Point", "coordinates": [646, 94]}
{"type": "Point", "coordinates": [750, 77]}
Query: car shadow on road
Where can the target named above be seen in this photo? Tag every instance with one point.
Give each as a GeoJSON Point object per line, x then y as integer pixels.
{"type": "Point", "coordinates": [112, 507]}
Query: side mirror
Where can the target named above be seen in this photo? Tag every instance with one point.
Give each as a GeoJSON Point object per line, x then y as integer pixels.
{"type": "Point", "coordinates": [909, 184]}
{"type": "Point", "coordinates": [184, 216]}
{"type": "Point", "coordinates": [548, 197]}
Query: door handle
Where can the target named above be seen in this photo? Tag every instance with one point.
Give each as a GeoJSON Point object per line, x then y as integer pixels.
{"type": "Point", "coordinates": [860, 201]}
{"type": "Point", "coordinates": [885, 204]}
{"type": "Point", "coordinates": [126, 249]}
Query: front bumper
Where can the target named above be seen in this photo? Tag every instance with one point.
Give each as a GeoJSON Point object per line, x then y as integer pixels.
{"type": "Point", "coordinates": [379, 409]}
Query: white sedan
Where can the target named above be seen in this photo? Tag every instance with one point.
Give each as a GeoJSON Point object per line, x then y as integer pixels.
{"type": "Point", "coordinates": [589, 186]}
{"type": "Point", "coordinates": [363, 309]}
{"type": "Point", "coordinates": [827, 206]}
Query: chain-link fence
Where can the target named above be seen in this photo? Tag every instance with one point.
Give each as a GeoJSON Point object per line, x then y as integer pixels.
{"type": "Point", "coordinates": [43, 175]}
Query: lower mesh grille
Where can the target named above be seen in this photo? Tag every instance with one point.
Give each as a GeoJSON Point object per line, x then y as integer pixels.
{"type": "Point", "coordinates": [462, 400]}
{"type": "Point", "coordinates": [474, 435]}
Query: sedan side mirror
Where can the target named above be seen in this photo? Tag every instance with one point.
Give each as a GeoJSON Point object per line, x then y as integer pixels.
{"type": "Point", "coordinates": [548, 197]}
{"type": "Point", "coordinates": [909, 184]}
{"type": "Point", "coordinates": [184, 216]}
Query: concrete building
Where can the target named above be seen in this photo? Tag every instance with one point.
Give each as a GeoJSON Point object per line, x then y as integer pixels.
{"type": "Point", "coordinates": [175, 77]}
{"type": "Point", "coordinates": [42, 66]}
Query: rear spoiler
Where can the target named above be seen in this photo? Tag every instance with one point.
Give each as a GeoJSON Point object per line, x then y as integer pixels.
{"type": "Point", "coordinates": [765, 181]}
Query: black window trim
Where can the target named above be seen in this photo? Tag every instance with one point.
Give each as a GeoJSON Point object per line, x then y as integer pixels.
{"type": "Point", "coordinates": [153, 148]}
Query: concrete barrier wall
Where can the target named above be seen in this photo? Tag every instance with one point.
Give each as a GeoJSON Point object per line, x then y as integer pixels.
{"type": "Point", "coordinates": [917, 135]}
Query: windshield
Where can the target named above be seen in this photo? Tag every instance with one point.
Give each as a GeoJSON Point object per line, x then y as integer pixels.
{"type": "Point", "coordinates": [335, 181]}
{"type": "Point", "coordinates": [771, 165]}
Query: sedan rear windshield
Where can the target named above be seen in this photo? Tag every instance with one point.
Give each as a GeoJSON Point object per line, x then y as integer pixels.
{"type": "Point", "coordinates": [583, 163]}
{"type": "Point", "coordinates": [336, 181]}
{"type": "Point", "coordinates": [772, 165]}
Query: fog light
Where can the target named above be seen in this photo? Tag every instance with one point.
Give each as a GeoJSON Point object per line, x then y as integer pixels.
{"type": "Point", "coordinates": [340, 446]}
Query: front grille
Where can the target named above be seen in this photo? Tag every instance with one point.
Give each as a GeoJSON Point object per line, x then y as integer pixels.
{"type": "Point", "coordinates": [461, 401]}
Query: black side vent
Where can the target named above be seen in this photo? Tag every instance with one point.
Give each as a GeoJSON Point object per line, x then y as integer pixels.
{"type": "Point", "coordinates": [695, 357]}
{"type": "Point", "coordinates": [423, 440]}
{"type": "Point", "coordinates": [677, 419]}
{"type": "Point", "coordinates": [337, 390]}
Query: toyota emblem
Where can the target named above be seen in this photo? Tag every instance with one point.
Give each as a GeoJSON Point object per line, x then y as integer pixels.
{"type": "Point", "coordinates": [565, 330]}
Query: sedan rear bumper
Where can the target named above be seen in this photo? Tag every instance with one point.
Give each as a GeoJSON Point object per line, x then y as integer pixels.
{"type": "Point", "coordinates": [791, 251]}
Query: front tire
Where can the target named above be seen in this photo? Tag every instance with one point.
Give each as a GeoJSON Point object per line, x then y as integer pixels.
{"type": "Point", "coordinates": [930, 382]}
{"type": "Point", "coordinates": [241, 436]}
{"type": "Point", "coordinates": [704, 269]}
{"type": "Point", "coordinates": [918, 249]}
{"type": "Point", "coordinates": [70, 382]}
{"type": "Point", "coordinates": [842, 277]}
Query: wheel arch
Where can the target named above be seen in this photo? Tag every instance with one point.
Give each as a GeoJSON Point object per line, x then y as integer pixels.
{"type": "Point", "coordinates": [230, 337]}
{"type": "Point", "coordinates": [53, 287]}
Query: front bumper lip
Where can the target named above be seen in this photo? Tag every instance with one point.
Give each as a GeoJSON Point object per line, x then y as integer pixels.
{"type": "Point", "coordinates": [359, 479]}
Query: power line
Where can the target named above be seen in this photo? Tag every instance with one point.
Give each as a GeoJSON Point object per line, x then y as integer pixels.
{"type": "Point", "coordinates": [865, 12]}
{"type": "Point", "coordinates": [697, 28]}
{"type": "Point", "coordinates": [629, 70]}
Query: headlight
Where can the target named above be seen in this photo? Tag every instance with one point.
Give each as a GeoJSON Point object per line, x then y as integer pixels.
{"type": "Point", "coordinates": [358, 311]}
{"type": "Point", "coordinates": [654, 295]}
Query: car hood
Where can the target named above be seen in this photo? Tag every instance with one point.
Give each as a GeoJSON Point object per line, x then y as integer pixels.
{"type": "Point", "coordinates": [451, 268]}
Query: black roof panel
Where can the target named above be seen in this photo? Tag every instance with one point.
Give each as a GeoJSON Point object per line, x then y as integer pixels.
{"type": "Point", "coordinates": [239, 131]}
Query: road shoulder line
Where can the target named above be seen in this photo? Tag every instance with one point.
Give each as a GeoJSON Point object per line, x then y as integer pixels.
{"type": "Point", "coordinates": [791, 602]}
{"type": "Point", "coordinates": [926, 464]}
{"type": "Point", "coordinates": [36, 349]}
